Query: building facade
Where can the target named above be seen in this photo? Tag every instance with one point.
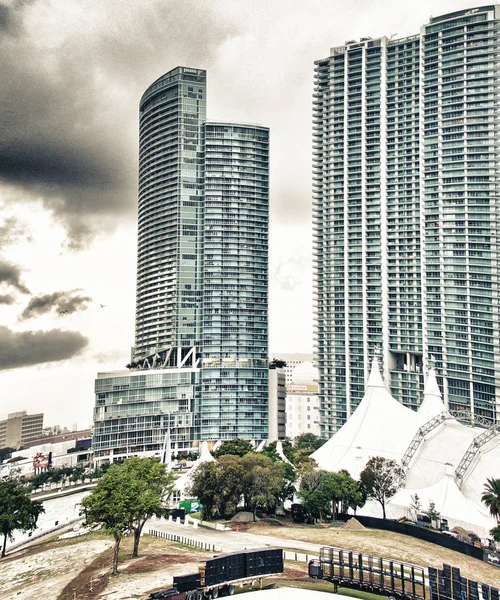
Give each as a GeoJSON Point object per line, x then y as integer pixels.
{"type": "Point", "coordinates": [20, 428]}
{"type": "Point", "coordinates": [199, 365]}
{"type": "Point", "coordinates": [234, 374]}
{"type": "Point", "coordinates": [406, 211]}
{"type": "Point", "coordinates": [302, 402]}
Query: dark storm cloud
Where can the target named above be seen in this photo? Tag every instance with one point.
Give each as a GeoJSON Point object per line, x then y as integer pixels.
{"type": "Point", "coordinates": [7, 299]}
{"type": "Point", "coordinates": [68, 108]}
{"type": "Point", "coordinates": [26, 348]}
{"type": "Point", "coordinates": [11, 230]}
{"type": "Point", "coordinates": [57, 302]}
{"type": "Point", "coordinates": [10, 275]}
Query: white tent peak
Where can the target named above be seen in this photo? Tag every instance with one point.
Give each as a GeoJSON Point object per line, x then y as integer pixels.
{"type": "Point", "coordinates": [184, 481]}
{"type": "Point", "coordinates": [205, 455]}
{"type": "Point", "coordinates": [432, 404]}
{"type": "Point", "coordinates": [380, 426]}
{"type": "Point", "coordinates": [375, 378]}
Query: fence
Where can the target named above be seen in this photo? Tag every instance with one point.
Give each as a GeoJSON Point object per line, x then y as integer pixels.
{"type": "Point", "coordinates": [43, 533]}
{"type": "Point", "coordinates": [421, 533]}
{"type": "Point", "coordinates": [180, 539]}
{"type": "Point", "coordinates": [298, 556]}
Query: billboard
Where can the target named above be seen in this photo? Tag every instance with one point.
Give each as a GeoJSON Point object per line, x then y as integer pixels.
{"type": "Point", "coordinates": [42, 461]}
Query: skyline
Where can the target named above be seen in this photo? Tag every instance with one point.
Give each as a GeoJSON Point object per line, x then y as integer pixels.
{"type": "Point", "coordinates": [68, 166]}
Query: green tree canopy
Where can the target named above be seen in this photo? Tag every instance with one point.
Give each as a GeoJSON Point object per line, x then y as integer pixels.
{"type": "Point", "coordinates": [308, 442]}
{"type": "Point", "coordinates": [204, 487]}
{"type": "Point", "coordinates": [260, 481]}
{"type": "Point", "coordinates": [325, 493]}
{"type": "Point", "coordinates": [126, 496]}
{"type": "Point", "coordinates": [17, 510]}
{"type": "Point", "coordinates": [237, 447]}
{"type": "Point", "coordinates": [264, 482]}
{"type": "Point", "coordinates": [381, 479]}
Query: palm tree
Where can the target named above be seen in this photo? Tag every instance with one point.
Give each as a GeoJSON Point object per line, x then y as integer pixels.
{"type": "Point", "coordinates": [491, 497]}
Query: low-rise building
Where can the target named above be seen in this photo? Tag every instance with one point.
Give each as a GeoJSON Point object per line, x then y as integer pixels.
{"type": "Point", "coordinates": [20, 428]}
{"type": "Point", "coordinates": [302, 402]}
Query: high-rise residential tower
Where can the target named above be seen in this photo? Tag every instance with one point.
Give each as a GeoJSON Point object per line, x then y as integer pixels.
{"type": "Point", "coordinates": [199, 368]}
{"type": "Point", "coordinates": [234, 375]}
{"type": "Point", "coordinates": [406, 212]}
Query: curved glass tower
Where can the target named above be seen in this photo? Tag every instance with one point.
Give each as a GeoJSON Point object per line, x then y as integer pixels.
{"type": "Point", "coordinates": [168, 305]}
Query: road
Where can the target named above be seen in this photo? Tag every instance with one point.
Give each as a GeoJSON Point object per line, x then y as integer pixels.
{"type": "Point", "coordinates": [230, 541]}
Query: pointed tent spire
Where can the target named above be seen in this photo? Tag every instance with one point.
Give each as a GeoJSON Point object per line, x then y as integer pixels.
{"type": "Point", "coordinates": [375, 378]}
{"type": "Point", "coordinates": [432, 404]}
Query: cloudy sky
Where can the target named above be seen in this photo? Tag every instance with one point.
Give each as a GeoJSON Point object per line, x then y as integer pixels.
{"type": "Point", "coordinates": [72, 73]}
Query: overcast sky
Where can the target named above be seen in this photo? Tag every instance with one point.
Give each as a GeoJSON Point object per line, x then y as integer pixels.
{"type": "Point", "coordinates": [72, 73]}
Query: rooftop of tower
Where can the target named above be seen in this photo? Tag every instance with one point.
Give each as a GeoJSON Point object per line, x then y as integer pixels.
{"type": "Point", "coordinates": [173, 75]}
{"type": "Point", "coordinates": [368, 41]}
{"type": "Point", "coordinates": [235, 124]}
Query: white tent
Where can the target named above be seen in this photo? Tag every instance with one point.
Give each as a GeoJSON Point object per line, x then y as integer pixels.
{"type": "Point", "coordinates": [450, 503]}
{"type": "Point", "coordinates": [380, 426]}
{"type": "Point", "coordinates": [446, 444]}
{"type": "Point", "coordinates": [184, 481]}
{"type": "Point", "coordinates": [280, 453]}
{"type": "Point", "coordinates": [432, 403]}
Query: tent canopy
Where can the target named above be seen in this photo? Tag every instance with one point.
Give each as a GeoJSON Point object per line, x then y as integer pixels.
{"type": "Point", "coordinates": [380, 426]}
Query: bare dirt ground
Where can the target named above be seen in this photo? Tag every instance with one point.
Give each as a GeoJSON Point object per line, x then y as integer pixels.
{"type": "Point", "coordinates": [382, 543]}
{"type": "Point", "coordinates": [42, 571]}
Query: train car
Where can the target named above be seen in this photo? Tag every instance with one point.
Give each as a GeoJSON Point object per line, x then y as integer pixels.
{"type": "Point", "coordinates": [219, 575]}
{"type": "Point", "coordinates": [372, 573]}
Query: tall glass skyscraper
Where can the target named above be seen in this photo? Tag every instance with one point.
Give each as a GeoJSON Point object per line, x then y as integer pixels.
{"type": "Point", "coordinates": [406, 212]}
{"type": "Point", "coordinates": [170, 237]}
{"type": "Point", "coordinates": [199, 368]}
{"type": "Point", "coordinates": [234, 374]}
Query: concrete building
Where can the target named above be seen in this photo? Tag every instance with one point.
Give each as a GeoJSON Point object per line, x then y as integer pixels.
{"type": "Point", "coordinates": [302, 402]}
{"type": "Point", "coordinates": [20, 428]}
{"type": "Point", "coordinates": [406, 214]}
{"type": "Point", "coordinates": [199, 367]}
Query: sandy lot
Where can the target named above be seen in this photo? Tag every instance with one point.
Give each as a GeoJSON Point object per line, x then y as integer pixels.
{"type": "Point", "coordinates": [43, 571]}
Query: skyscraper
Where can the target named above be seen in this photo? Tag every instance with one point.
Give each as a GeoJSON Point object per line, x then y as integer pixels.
{"type": "Point", "coordinates": [234, 376]}
{"type": "Point", "coordinates": [406, 212]}
{"type": "Point", "coordinates": [199, 365]}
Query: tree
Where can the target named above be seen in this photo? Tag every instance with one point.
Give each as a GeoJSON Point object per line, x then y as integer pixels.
{"type": "Point", "coordinates": [263, 482]}
{"type": "Point", "coordinates": [491, 497]}
{"type": "Point", "coordinates": [432, 513]}
{"type": "Point", "coordinates": [17, 510]}
{"type": "Point", "coordinates": [229, 484]}
{"type": "Point", "coordinates": [381, 479]}
{"type": "Point", "coordinates": [495, 533]}
{"type": "Point", "coordinates": [126, 496]}
{"type": "Point", "coordinates": [415, 505]}
{"type": "Point", "coordinates": [277, 363]}
{"type": "Point", "coordinates": [237, 447]}
{"type": "Point", "coordinates": [5, 453]}
{"type": "Point", "coordinates": [324, 493]}
{"type": "Point", "coordinates": [204, 487]}
{"type": "Point", "coordinates": [308, 442]}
